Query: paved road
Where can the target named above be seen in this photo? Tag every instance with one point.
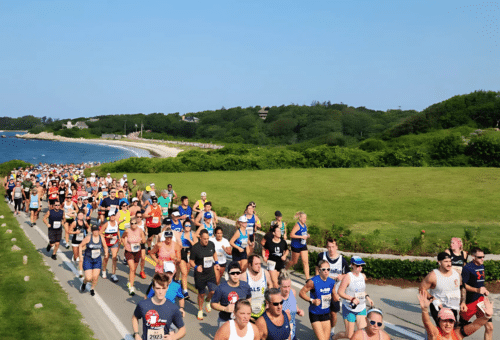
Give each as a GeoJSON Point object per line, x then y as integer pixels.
{"type": "Point", "coordinates": [109, 313]}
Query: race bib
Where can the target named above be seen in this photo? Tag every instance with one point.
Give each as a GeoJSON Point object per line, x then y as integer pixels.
{"type": "Point", "coordinates": [34, 205]}
{"type": "Point", "coordinates": [207, 262]}
{"type": "Point", "coordinates": [165, 264]}
{"type": "Point", "coordinates": [61, 192]}
{"type": "Point", "coordinates": [164, 210]}
{"type": "Point", "coordinates": [220, 255]}
{"type": "Point", "coordinates": [135, 247]}
{"type": "Point", "coordinates": [326, 301]}
{"type": "Point", "coordinates": [303, 241]}
{"type": "Point", "coordinates": [155, 220]}
{"type": "Point", "coordinates": [112, 210]}
{"type": "Point", "coordinates": [26, 189]}
{"type": "Point", "coordinates": [79, 237]}
{"type": "Point", "coordinates": [455, 295]}
{"type": "Point", "coordinates": [155, 334]}
{"type": "Point", "coordinates": [250, 230]}
{"type": "Point", "coordinates": [481, 306]}
{"type": "Point", "coordinates": [95, 253]}
{"type": "Point", "coordinates": [127, 225]}
{"type": "Point", "coordinates": [271, 265]}
{"type": "Point", "coordinates": [56, 225]}
{"type": "Point", "coordinates": [244, 243]}
{"type": "Point", "coordinates": [113, 239]}
{"type": "Point", "coordinates": [17, 195]}
{"type": "Point", "coordinates": [360, 296]}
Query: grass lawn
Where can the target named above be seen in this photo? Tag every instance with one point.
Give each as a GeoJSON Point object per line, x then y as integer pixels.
{"type": "Point", "coordinates": [58, 319]}
{"type": "Point", "coordinates": [399, 202]}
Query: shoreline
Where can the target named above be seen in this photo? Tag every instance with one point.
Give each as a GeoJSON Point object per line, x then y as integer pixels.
{"type": "Point", "coordinates": [159, 151]}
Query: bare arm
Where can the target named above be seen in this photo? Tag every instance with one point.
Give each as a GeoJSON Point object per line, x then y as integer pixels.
{"type": "Point", "coordinates": [432, 330]}
{"type": "Point", "coordinates": [223, 332]}
{"type": "Point", "coordinates": [428, 283]}
{"type": "Point", "coordinates": [262, 326]}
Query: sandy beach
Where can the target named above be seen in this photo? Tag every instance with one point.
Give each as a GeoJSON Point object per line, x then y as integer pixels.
{"type": "Point", "coordinates": [161, 151]}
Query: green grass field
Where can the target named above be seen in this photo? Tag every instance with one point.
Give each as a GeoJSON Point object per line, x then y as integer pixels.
{"type": "Point", "coordinates": [58, 318]}
{"type": "Point", "coordinates": [399, 202]}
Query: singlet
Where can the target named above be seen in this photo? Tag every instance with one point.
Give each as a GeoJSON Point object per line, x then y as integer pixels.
{"type": "Point", "coordinates": [134, 239]}
{"type": "Point", "coordinates": [323, 291]}
{"type": "Point", "coordinates": [78, 238]}
{"type": "Point", "coordinates": [67, 209]}
{"type": "Point", "coordinates": [17, 192]}
{"type": "Point", "coordinates": [356, 289]}
{"type": "Point", "coordinates": [125, 224]}
{"type": "Point", "coordinates": [111, 233]}
{"type": "Point", "coordinates": [185, 242]}
{"type": "Point", "coordinates": [440, 335]}
{"type": "Point", "coordinates": [201, 203]}
{"type": "Point", "coordinates": [210, 228]}
{"type": "Point", "coordinates": [290, 304]}
{"type": "Point", "coordinates": [164, 255]}
{"type": "Point", "coordinates": [447, 289]}
{"type": "Point", "coordinates": [242, 240]}
{"type": "Point", "coordinates": [89, 209]}
{"type": "Point", "coordinates": [34, 202]}
{"type": "Point", "coordinates": [62, 194]}
{"type": "Point", "coordinates": [141, 225]}
{"type": "Point", "coordinates": [277, 332]}
{"type": "Point", "coordinates": [365, 336]}
{"type": "Point", "coordinates": [93, 249]}
{"type": "Point", "coordinates": [457, 260]}
{"type": "Point", "coordinates": [251, 225]}
{"type": "Point", "coordinates": [176, 226]}
{"type": "Point", "coordinates": [55, 218]}
{"type": "Point", "coordinates": [53, 193]}
{"type": "Point", "coordinates": [299, 242]}
{"type": "Point", "coordinates": [234, 336]}
{"type": "Point", "coordinates": [12, 185]}
{"type": "Point", "coordinates": [155, 220]}
{"type": "Point", "coordinates": [257, 288]}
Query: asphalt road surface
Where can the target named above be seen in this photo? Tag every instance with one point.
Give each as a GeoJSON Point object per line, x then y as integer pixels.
{"type": "Point", "coordinates": [109, 312]}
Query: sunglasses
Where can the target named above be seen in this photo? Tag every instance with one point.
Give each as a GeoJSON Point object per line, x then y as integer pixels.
{"type": "Point", "coordinates": [235, 273]}
{"type": "Point", "coordinates": [57, 205]}
{"type": "Point", "coordinates": [480, 257]}
{"type": "Point", "coordinates": [133, 223]}
{"type": "Point", "coordinates": [373, 323]}
{"type": "Point", "coordinates": [187, 225]}
{"type": "Point", "coordinates": [277, 303]}
{"type": "Point", "coordinates": [324, 269]}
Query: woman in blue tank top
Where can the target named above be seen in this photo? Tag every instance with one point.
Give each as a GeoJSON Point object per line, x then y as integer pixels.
{"type": "Point", "coordinates": [299, 238]}
{"type": "Point", "coordinates": [253, 223]}
{"type": "Point", "coordinates": [239, 242]}
{"type": "Point", "coordinates": [91, 249]}
{"type": "Point", "coordinates": [321, 289]}
{"type": "Point", "coordinates": [35, 206]}
{"type": "Point", "coordinates": [289, 300]}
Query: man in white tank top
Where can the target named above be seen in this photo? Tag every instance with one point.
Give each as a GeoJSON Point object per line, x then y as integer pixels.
{"type": "Point", "coordinates": [259, 280]}
{"type": "Point", "coordinates": [443, 288]}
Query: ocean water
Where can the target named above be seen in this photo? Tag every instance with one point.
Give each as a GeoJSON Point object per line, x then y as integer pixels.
{"type": "Point", "coordinates": [36, 151]}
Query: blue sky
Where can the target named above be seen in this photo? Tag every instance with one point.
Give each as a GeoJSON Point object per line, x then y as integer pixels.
{"type": "Point", "coordinates": [84, 58]}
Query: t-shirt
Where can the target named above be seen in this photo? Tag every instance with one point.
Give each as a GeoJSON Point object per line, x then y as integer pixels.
{"type": "Point", "coordinates": [473, 275]}
{"type": "Point", "coordinates": [174, 291]}
{"type": "Point", "coordinates": [157, 318]}
{"type": "Point", "coordinates": [188, 211]}
{"type": "Point", "coordinates": [201, 256]}
{"type": "Point", "coordinates": [164, 203]}
{"type": "Point", "coordinates": [276, 250]}
{"type": "Point", "coordinates": [221, 253]}
{"type": "Point", "coordinates": [108, 202]}
{"type": "Point", "coordinates": [225, 294]}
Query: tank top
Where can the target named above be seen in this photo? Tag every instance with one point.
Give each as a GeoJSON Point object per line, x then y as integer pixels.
{"type": "Point", "coordinates": [335, 266]}
{"type": "Point", "coordinates": [78, 238]}
{"type": "Point", "coordinates": [440, 335]}
{"type": "Point", "coordinates": [277, 332]}
{"type": "Point", "coordinates": [17, 192]}
{"type": "Point", "coordinates": [67, 208]}
{"type": "Point", "coordinates": [34, 201]}
{"type": "Point", "coordinates": [323, 291]}
{"type": "Point", "coordinates": [93, 249]}
{"type": "Point", "coordinates": [12, 185]}
{"type": "Point", "coordinates": [210, 228]}
{"type": "Point", "coordinates": [447, 289]}
{"type": "Point", "coordinates": [155, 220]}
{"type": "Point", "coordinates": [365, 335]}
{"type": "Point", "coordinates": [290, 304]}
{"type": "Point", "coordinates": [242, 240]}
{"type": "Point", "coordinates": [234, 336]}
{"type": "Point", "coordinates": [111, 233]}
{"type": "Point", "coordinates": [185, 242]}
{"type": "Point", "coordinates": [299, 242]}
{"type": "Point", "coordinates": [164, 254]}
{"type": "Point", "coordinates": [125, 224]}
{"type": "Point", "coordinates": [457, 260]}
{"type": "Point", "coordinates": [134, 239]}
{"type": "Point", "coordinates": [251, 225]}
{"type": "Point", "coordinates": [55, 218]}
{"type": "Point", "coordinates": [53, 193]}
{"type": "Point", "coordinates": [257, 288]}
{"type": "Point", "coordinates": [356, 289]}
{"type": "Point", "coordinates": [141, 226]}
{"type": "Point", "coordinates": [176, 226]}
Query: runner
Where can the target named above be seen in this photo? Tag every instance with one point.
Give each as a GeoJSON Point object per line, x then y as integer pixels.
{"type": "Point", "coordinates": [184, 209]}
{"type": "Point", "coordinates": [199, 204]}
{"type": "Point", "coordinates": [62, 191]}
{"type": "Point", "coordinates": [338, 268]}
{"type": "Point", "coordinates": [253, 223]}
{"type": "Point", "coordinates": [35, 206]}
{"type": "Point", "coordinates": [473, 278]}
{"type": "Point", "coordinates": [299, 238]}
{"type": "Point", "coordinates": [165, 251]}
{"type": "Point", "coordinates": [289, 300]}
{"type": "Point", "coordinates": [172, 195]}
{"type": "Point", "coordinates": [228, 292]}
{"type": "Point", "coordinates": [274, 324]}
{"type": "Point", "coordinates": [87, 209]}
{"type": "Point", "coordinates": [17, 197]}
{"type": "Point", "coordinates": [187, 240]}
{"type": "Point", "coordinates": [239, 328]}
{"type": "Point", "coordinates": [223, 248]}
{"type": "Point", "coordinates": [279, 221]}
{"type": "Point", "coordinates": [70, 210]}
{"type": "Point", "coordinates": [112, 237]}
{"type": "Point", "coordinates": [278, 253]}
{"type": "Point", "coordinates": [207, 219]}
{"type": "Point", "coordinates": [158, 314]}
{"type": "Point", "coordinates": [444, 287]}
{"type": "Point", "coordinates": [164, 202]}
{"type": "Point", "coordinates": [373, 330]}
{"type": "Point", "coordinates": [458, 255]}
{"type": "Point", "coordinates": [259, 281]}
{"type": "Point", "coordinates": [141, 225]}
{"type": "Point", "coordinates": [27, 185]}
{"type": "Point", "coordinates": [123, 218]}
{"type": "Point", "coordinates": [321, 289]}
{"type": "Point", "coordinates": [176, 222]}
{"type": "Point", "coordinates": [153, 223]}
{"type": "Point", "coordinates": [9, 187]}
{"type": "Point", "coordinates": [78, 229]}
{"type": "Point", "coordinates": [132, 240]}
{"type": "Point", "coordinates": [239, 242]}
{"type": "Point", "coordinates": [135, 206]}
{"type": "Point", "coordinates": [93, 245]}
{"type": "Point", "coordinates": [204, 261]}
{"type": "Point", "coordinates": [352, 290]}
{"type": "Point", "coordinates": [53, 220]}
{"type": "Point", "coordinates": [446, 321]}
{"type": "Point", "coordinates": [109, 204]}
{"type": "Point", "coordinates": [174, 291]}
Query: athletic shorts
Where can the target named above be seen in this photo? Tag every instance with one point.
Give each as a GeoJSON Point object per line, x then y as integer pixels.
{"type": "Point", "coordinates": [184, 254]}
{"type": "Point", "coordinates": [70, 220]}
{"type": "Point", "coordinates": [27, 195]}
{"type": "Point", "coordinates": [90, 263]}
{"type": "Point", "coordinates": [121, 232]}
{"type": "Point", "coordinates": [52, 201]}
{"type": "Point", "coordinates": [319, 317]}
{"type": "Point", "coordinates": [251, 238]}
{"type": "Point", "coordinates": [143, 246]}
{"type": "Point", "coordinates": [55, 235]}
{"type": "Point", "coordinates": [133, 256]}
{"type": "Point", "coordinates": [335, 306]}
{"type": "Point", "coordinates": [350, 316]}
{"type": "Point", "coordinates": [34, 209]}
{"type": "Point", "coordinates": [201, 282]}
{"type": "Point", "coordinates": [153, 231]}
{"type": "Point", "coordinates": [298, 250]}
{"type": "Point", "coordinates": [237, 256]}
{"type": "Point", "coordinates": [472, 310]}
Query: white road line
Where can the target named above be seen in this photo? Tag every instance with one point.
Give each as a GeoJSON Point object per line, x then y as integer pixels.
{"type": "Point", "coordinates": [120, 327]}
{"type": "Point", "coordinates": [386, 324]}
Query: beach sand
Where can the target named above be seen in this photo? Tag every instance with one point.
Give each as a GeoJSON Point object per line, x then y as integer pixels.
{"type": "Point", "coordinates": [161, 151]}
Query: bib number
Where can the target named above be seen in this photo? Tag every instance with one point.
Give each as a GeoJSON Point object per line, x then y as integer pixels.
{"type": "Point", "coordinates": [271, 265]}
{"type": "Point", "coordinates": [34, 205]}
{"type": "Point", "coordinates": [112, 210]}
{"type": "Point", "coordinates": [244, 243]}
{"type": "Point", "coordinates": [156, 334]}
{"type": "Point", "coordinates": [95, 253]}
{"type": "Point", "coordinates": [481, 306]}
{"type": "Point", "coordinates": [250, 230]}
{"type": "Point", "coordinates": [207, 262]}
{"type": "Point", "coordinates": [27, 189]}
{"type": "Point", "coordinates": [155, 220]}
{"type": "Point", "coordinates": [17, 195]}
{"type": "Point", "coordinates": [165, 210]}
{"type": "Point", "coordinates": [61, 192]}
{"type": "Point", "coordinates": [56, 225]}
{"type": "Point", "coordinates": [326, 301]}
{"type": "Point", "coordinates": [127, 225]}
{"type": "Point", "coordinates": [135, 247]}
{"type": "Point", "coordinates": [79, 237]}
{"type": "Point", "coordinates": [360, 296]}
{"type": "Point", "coordinates": [303, 241]}
{"type": "Point", "coordinates": [113, 240]}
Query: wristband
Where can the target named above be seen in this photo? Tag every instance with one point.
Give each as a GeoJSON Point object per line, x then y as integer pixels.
{"type": "Point", "coordinates": [216, 262]}
{"type": "Point", "coordinates": [135, 333]}
{"type": "Point", "coordinates": [352, 299]}
{"type": "Point", "coordinates": [195, 267]}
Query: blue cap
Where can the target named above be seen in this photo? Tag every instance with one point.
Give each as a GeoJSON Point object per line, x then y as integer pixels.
{"type": "Point", "coordinates": [358, 261]}
{"type": "Point", "coordinates": [207, 215]}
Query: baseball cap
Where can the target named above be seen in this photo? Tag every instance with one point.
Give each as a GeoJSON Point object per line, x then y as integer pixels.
{"type": "Point", "coordinates": [166, 221]}
{"type": "Point", "coordinates": [135, 199]}
{"type": "Point", "coordinates": [446, 314]}
{"type": "Point", "coordinates": [112, 213]}
{"type": "Point", "coordinates": [358, 261]}
{"type": "Point", "coordinates": [443, 255]}
{"type": "Point", "coordinates": [203, 193]}
{"type": "Point", "coordinates": [125, 175]}
{"type": "Point", "coordinates": [92, 174]}
{"type": "Point", "coordinates": [207, 215]}
{"type": "Point", "coordinates": [148, 188]}
{"type": "Point", "coordinates": [277, 213]}
{"type": "Point", "coordinates": [95, 228]}
{"type": "Point", "coordinates": [243, 218]}
{"type": "Point", "coordinates": [108, 174]}
{"type": "Point", "coordinates": [176, 213]}
{"type": "Point", "coordinates": [168, 233]}
{"type": "Point", "coordinates": [168, 267]}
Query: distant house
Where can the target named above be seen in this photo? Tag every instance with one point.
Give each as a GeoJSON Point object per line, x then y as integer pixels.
{"type": "Point", "coordinates": [80, 125]}
{"type": "Point", "coordinates": [190, 119]}
{"type": "Point", "coordinates": [93, 120]}
{"type": "Point", "coordinates": [263, 112]}
{"type": "Point", "coordinates": [110, 136]}
{"type": "Point", "coordinates": [68, 125]}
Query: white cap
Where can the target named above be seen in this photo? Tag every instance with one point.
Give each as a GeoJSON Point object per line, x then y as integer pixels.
{"type": "Point", "coordinates": [109, 174]}
{"type": "Point", "coordinates": [168, 267]}
{"type": "Point", "coordinates": [243, 218]}
{"type": "Point", "coordinates": [92, 174]}
{"type": "Point", "coordinates": [203, 194]}
{"type": "Point", "coordinates": [152, 185]}
{"type": "Point", "coordinates": [176, 213]}
{"type": "Point", "coordinates": [135, 199]}
{"type": "Point", "coordinates": [125, 175]}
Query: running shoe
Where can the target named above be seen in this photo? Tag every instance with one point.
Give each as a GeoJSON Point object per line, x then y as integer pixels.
{"type": "Point", "coordinates": [48, 247]}
{"type": "Point", "coordinates": [92, 292]}
{"type": "Point", "coordinates": [54, 257]}
{"type": "Point", "coordinates": [200, 315]}
{"type": "Point", "coordinates": [66, 245]}
{"type": "Point", "coordinates": [82, 288]}
{"type": "Point", "coordinates": [103, 274]}
{"type": "Point", "coordinates": [125, 261]}
{"type": "Point", "coordinates": [143, 274]}
{"type": "Point", "coordinates": [34, 224]}
{"type": "Point", "coordinates": [80, 272]}
{"type": "Point", "coordinates": [131, 291]}
{"type": "Point", "coordinates": [114, 278]}
{"type": "Point", "coordinates": [128, 285]}
{"type": "Point", "coordinates": [186, 295]}
{"type": "Point", "coordinates": [208, 308]}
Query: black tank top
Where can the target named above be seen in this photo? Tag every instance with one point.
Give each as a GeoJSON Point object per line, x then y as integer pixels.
{"type": "Point", "coordinates": [277, 332]}
{"type": "Point", "coordinates": [457, 260]}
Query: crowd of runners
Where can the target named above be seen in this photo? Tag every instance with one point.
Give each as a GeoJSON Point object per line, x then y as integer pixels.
{"type": "Point", "coordinates": [102, 217]}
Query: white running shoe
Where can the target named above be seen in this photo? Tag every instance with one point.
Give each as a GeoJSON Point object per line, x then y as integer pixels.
{"type": "Point", "coordinates": [114, 278]}
{"type": "Point", "coordinates": [103, 274]}
{"type": "Point", "coordinates": [131, 291]}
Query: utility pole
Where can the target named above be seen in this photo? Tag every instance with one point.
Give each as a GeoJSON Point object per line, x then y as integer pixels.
{"type": "Point", "coordinates": [142, 125]}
